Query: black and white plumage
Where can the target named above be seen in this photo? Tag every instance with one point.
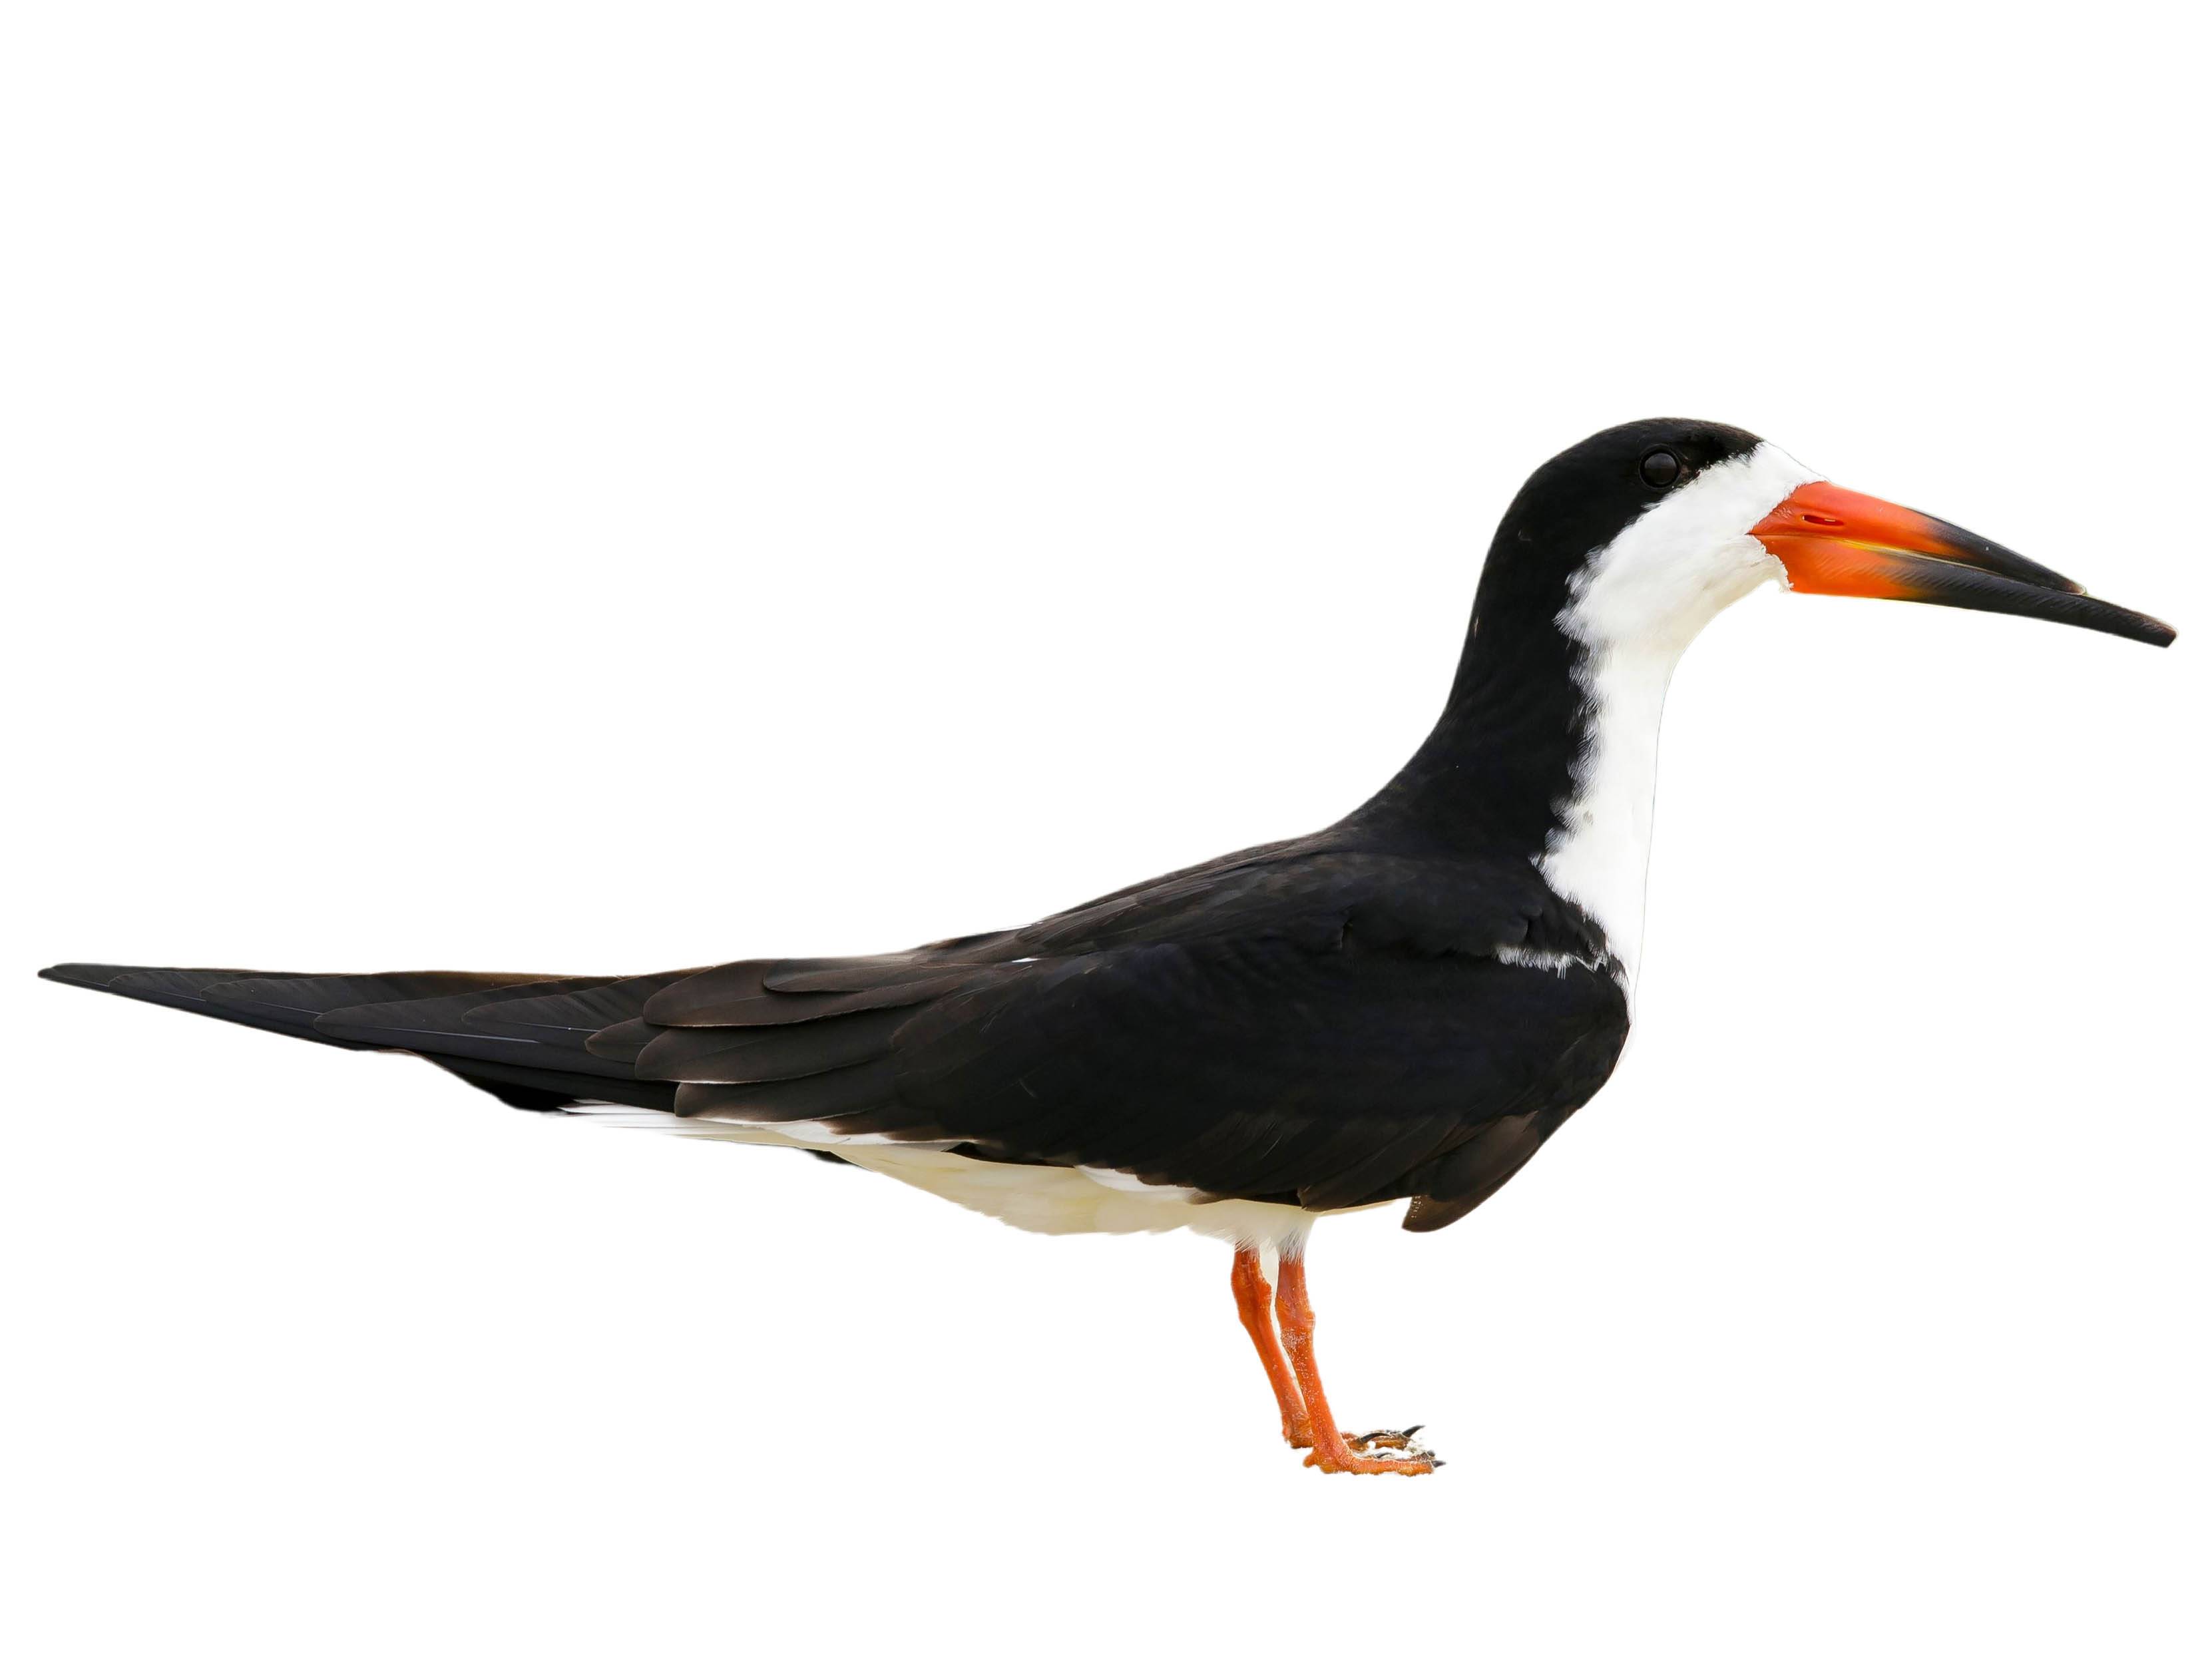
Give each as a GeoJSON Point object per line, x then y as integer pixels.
{"type": "Point", "coordinates": [1404, 1005]}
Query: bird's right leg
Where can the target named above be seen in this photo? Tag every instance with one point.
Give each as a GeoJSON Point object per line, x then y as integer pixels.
{"type": "Point", "coordinates": [1254, 1306]}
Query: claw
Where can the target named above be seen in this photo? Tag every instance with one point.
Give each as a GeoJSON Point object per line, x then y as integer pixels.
{"type": "Point", "coordinates": [1397, 1439]}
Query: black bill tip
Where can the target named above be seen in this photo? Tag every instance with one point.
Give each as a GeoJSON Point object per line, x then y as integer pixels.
{"type": "Point", "coordinates": [1938, 581]}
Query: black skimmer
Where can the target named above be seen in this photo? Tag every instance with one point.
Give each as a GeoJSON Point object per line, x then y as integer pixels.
{"type": "Point", "coordinates": [1402, 1007]}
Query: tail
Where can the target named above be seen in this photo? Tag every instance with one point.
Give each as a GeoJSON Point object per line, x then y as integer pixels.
{"type": "Point", "coordinates": [514, 1035]}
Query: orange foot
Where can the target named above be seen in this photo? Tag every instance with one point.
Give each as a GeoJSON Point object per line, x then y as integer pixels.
{"type": "Point", "coordinates": [1417, 1459]}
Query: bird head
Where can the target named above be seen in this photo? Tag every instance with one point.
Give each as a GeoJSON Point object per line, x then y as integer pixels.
{"type": "Point", "coordinates": [1653, 528]}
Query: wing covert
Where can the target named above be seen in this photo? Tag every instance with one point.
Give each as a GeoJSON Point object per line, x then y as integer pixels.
{"type": "Point", "coordinates": [1326, 1030]}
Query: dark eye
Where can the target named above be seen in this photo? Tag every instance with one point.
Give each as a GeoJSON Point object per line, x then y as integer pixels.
{"type": "Point", "coordinates": [1660, 468]}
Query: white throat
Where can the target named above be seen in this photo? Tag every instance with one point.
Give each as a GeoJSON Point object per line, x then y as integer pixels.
{"type": "Point", "coordinates": [1636, 607]}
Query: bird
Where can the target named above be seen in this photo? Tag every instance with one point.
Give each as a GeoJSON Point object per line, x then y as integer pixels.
{"type": "Point", "coordinates": [1400, 1008]}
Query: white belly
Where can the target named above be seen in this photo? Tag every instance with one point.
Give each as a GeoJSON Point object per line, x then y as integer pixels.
{"type": "Point", "coordinates": [1037, 1198]}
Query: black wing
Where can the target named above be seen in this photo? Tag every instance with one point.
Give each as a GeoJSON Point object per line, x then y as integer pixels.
{"type": "Point", "coordinates": [1318, 1028]}
{"type": "Point", "coordinates": [1298, 1024]}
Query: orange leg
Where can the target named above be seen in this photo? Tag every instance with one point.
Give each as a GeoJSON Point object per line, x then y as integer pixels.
{"type": "Point", "coordinates": [1331, 1454]}
{"type": "Point", "coordinates": [1246, 1279]}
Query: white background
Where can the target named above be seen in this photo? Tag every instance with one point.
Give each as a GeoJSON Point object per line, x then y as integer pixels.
{"type": "Point", "coordinates": [596, 488]}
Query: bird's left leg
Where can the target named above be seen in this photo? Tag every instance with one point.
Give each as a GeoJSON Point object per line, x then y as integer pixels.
{"type": "Point", "coordinates": [1331, 1454]}
{"type": "Point", "coordinates": [1254, 1298]}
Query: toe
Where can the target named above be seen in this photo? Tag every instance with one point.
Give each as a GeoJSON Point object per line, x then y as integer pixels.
{"type": "Point", "coordinates": [1420, 1463]}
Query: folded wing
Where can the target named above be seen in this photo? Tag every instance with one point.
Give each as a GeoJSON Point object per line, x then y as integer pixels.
{"type": "Point", "coordinates": [1300, 1024]}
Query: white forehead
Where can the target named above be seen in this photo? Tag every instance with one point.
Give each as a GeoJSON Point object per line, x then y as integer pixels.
{"type": "Point", "coordinates": [1687, 558]}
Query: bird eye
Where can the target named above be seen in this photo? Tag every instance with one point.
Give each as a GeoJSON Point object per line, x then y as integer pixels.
{"type": "Point", "coordinates": [1660, 468]}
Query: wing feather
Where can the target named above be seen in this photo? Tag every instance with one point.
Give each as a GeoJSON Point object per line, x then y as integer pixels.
{"type": "Point", "coordinates": [1310, 1022]}
{"type": "Point", "coordinates": [1319, 1027]}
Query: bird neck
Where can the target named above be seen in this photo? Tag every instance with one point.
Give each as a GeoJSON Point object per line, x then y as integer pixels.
{"type": "Point", "coordinates": [1547, 750]}
{"type": "Point", "coordinates": [1548, 745]}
